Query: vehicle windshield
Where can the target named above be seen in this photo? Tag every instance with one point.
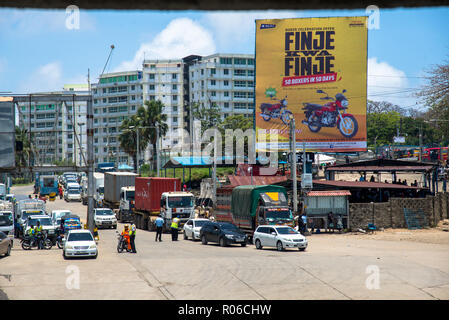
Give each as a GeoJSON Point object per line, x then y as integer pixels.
{"type": "Point", "coordinates": [228, 226]}
{"type": "Point", "coordinates": [43, 221]}
{"type": "Point", "coordinates": [59, 215]}
{"type": "Point", "coordinates": [5, 221]}
{"type": "Point", "coordinates": [104, 212]}
{"type": "Point", "coordinates": [82, 236]}
{"type": "Point", "coordinates": [101, 190]}
{"type": "Point", "coordinates": [180, 202]}
{"type": "Point", "coordinates": [200, 223]}
{"type": "Point", "coordinates": [283, 214]}
{"type": "Point", "coordinates": [286, 230]}
{"type": "Point", "coordinates": [73, 191]}
{"type": "Point", "coordinates": [130, 195]}
{"type": "Point", "coordinates": [26, 214]}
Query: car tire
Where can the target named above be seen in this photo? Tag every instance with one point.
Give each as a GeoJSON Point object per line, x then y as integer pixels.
{"type": "Point", "coordinates": [258, 244]}
{"type": "Point", "coordinates": [185, 235]}
{"type": "Point", "coordinates": [302, 249]}
{"type": "Point", "coordinates": [64, 256]}
{"type": "Point", "coordinates": [279, 246]}
{"type": "Point", "coordinates": [8, 251]}
{"type": "Point", "coordinates": [115, 227]}
{"type": "Point", "coordinates": [243, 244]}
{"type": "Point", "coordinates": [222, 242]}
{"type": "Point", "coordinates": [203, 240]}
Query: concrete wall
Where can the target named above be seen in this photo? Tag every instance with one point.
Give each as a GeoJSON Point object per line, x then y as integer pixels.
{"type": "Point", "coordinates": [391, 214]}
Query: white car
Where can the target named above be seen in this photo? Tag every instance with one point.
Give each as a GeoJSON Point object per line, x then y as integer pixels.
{"type": "Point", "coordinates": [56, 216]}
{"type": "Point", "coordinates": [72, 192]}
{"type": "Point", "coordinates": [280, 237]}
{"type": "Point", "coordinates": [105, 217]}
{"type": "Point", "coordinates": [192, 228]}
{"type": "Point", "coordinates": [79, 243]}
{"type": "Point", "coordinates": [45, 222]}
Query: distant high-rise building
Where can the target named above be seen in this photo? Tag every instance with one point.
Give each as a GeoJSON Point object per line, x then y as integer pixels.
{"type": "Point", "coordinates": [116, 97]}
{"type": "Point", "coordinates": [53, 126]}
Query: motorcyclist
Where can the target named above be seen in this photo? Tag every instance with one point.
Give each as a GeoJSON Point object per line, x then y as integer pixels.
{"type": "Point", "coordinates": [125, 234]}
{"type": "Point", "coordinates": [39, 235]}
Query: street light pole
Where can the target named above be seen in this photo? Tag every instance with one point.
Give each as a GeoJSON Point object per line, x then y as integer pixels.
{"type": "Point", "coordinates": [81, 142]}
{"type": "Point", "coordinates": [293, 164]}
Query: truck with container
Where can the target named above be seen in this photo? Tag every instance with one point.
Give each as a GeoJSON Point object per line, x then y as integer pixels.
{"type": "Point", "coordinates": [127, 202]}
{"type": "Point", "coordinates": [48, 184]}
{"type": "Point", "coordinates": [24, 209]}
{"type": "Point", "coordinates": [98, 179]}
{"type": "Point", "coordinates": [113, 184]}
{"type": "Point", "coordinates": [153, 193]}
{"type": "Point", "coordinates": [250, 206]}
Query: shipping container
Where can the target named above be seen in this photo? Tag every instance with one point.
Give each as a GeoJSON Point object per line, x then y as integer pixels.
{"type": "Point", "coordinates": [113, 182]}
{"type": "Point", "coordinates": [149, 191]}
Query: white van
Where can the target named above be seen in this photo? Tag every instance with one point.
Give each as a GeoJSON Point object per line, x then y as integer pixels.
{"type": "Point", "coordinates": [72, 192]}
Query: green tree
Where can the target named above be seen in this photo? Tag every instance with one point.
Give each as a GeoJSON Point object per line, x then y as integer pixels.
{"type": "Point", "coordinates": [22, 157]}
{"type": "Point", "coordinates": [150, 115]}
{"type": "Point", "coordinates": [209, 116]}
{"type": "Point", "coordinates": [128, 138]}
{"type": "Point", "coordinates": [381, 127]}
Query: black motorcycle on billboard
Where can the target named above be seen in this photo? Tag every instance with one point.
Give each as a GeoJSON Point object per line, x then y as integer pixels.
{"type": "Point", "coordinates": [331, 114]}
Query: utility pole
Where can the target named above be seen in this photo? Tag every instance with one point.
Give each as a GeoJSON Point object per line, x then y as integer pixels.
{"type": "Point", "coordinates": [158, 157]}
{"type": "Point", "coordinates": [420, 143]}
{"type": "Point", "coordinates": [90, 158]}
{"type": "Point", "coordinates": [293, 164]}
{"type": "Point", "coordinates": [138, 151]}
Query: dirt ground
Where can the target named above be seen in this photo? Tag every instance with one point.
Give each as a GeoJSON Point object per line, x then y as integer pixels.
{"type": "Point", "coordinates": [438, 235]}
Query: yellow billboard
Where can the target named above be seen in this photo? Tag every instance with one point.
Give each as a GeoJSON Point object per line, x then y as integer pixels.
{"type": "Point", "coordinates": [312, 70]}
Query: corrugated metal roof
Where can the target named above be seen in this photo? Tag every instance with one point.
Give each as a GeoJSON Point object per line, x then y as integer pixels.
{"type": "Point", "coordinates": [256, 180]}
{"type": "Point", "coordinates": [363, 184]}
{"type": "Point", "coordinates": [381, 168]}
{"type": "Point", "coordinates": [330, 193]}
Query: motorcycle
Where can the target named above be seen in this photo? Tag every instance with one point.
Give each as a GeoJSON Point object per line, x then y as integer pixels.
{"type": "Point", "coordinates": [276, 110]}
{"type": "Point", "coordinates": [31, 242]}
{"type": "Point", "coordinates": [331, 114]}
{"type": "Point", "coordinates": [122, 243]}
{"type": "Point", "coordinates": [57, 239]}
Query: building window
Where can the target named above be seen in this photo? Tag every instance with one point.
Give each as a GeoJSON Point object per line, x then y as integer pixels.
{"type": "Point", "coordinates": [213, 93]}
{"type": "Point", "coordinates": [226, 93]}
{"type": "Point", "coordinates": [175, 119]}
{"type": "Point", "coordinates": [174, 87]}
{"type": "Point", "coordinates": [202, 71]}
{"type": "Point", "coordinates": [151, 76]}
{"type": "Point", "coordinates": [239, 84]}
{"type": "Point", "coordinates": [133, 87]}
{"type": "Point", "coordinates": [250, 73]}
{"type": "Point", "coordinates": [212, 82]}
{"type": "Point", "coordinates": [239, 72]}
{"type": "Point", "coordinates": [225, 60]}
{"type": "Point", "coordinates": [175, 108]}
{"type": "Point", "coordinates": [104, 90]}
{"type": "Point", "coordinates": [226, 71]}
{"type": "Point", "coordinates": [174, 76]}
{"type": "Point", "coordinates": [213, 71]}
{"type": "Point", "coordinates": [226, 104]}
{"type": "Point", "coordinates": [152, 98]}
{"type": "Point", "coordinates": [151, 86]}
{"type": "Point", "coordinates": [238, 94]}
{"type": "Point", "coordinates": [175, 98]}
{"type": "Point", "coordinates": [104, 100]}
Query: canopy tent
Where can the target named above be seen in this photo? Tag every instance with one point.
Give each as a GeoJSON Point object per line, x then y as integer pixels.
{"type": "Point", "coordinates": [324, 159]}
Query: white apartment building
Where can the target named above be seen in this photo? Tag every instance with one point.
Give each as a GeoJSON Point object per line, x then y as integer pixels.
{"type": "Point", "coordinates": [163, 80]}
{"type": "Point", "coordinates": [226, 80]}
{"type": "Point", "coordinates": [54, 124]}
{"type": "Point", "coordinates": [116, 97]}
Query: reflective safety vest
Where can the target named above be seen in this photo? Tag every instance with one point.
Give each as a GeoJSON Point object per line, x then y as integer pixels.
{"type": "Point", "coordinates": [132, 232]}
{"type": "Point", "coordinates": [30, 231]}
{"type": "Point", "coordinates": [174, 223]}
{"type": "Point", "coordinates": [39, 229]}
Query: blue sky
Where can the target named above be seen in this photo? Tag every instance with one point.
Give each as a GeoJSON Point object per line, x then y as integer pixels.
{"type": "Point", "coordinates": [38, 52]}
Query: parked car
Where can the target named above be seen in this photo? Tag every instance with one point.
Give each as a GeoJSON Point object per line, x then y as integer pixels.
{"type": "Point", "coordinates": [7, 222]}
{"type": "Point", "coordinates": [224, 233]}
{"type": "Point", "coordinates": [280, 237]}
{"type": "Point", "coordinates": [79, 243]}
{"type": "Point", "coordinates": [192, 228]}
{"type": "Point", "coordinates": [5, 244]}
{"type": "Point", "coordinates": [105, 217]}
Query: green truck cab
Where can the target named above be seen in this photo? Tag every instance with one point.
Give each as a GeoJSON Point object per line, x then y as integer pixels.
{"type": "Point", "coordinates": [252, 206]}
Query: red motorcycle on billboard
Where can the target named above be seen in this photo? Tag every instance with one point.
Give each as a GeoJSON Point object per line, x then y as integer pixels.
{"type": "Point", "coordinates": [331, 114]}
{"type": "Point", "coordinates": [276, 110]}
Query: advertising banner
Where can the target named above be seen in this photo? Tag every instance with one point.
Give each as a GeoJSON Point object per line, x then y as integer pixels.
{"type": "Point", "coordinates": [312, 70]}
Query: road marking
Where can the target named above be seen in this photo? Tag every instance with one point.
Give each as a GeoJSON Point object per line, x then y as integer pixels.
{"type": "Point", "coordinates": [247, 285]}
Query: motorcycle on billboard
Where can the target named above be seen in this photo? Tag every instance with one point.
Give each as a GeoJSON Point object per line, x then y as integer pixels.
{"type": "Point", "coordinates": [276, 110]}
{"type": "Point", "coordinates": [331, 114]}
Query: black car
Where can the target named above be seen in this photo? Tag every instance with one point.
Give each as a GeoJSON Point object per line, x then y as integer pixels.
{"type": "Point", "coordinates": [222, 232]}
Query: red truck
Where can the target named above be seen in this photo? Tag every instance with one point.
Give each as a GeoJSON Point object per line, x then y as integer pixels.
{"type": "Point", "coordinates": [151, 193]}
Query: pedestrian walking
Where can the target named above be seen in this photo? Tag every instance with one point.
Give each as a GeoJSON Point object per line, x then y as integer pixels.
{"type": "Point", "coordinates": [132, 237]}
{"type": "Point", "coordinates": [330, 221]}
{"type": "Point", "coordinates": [159, 224]}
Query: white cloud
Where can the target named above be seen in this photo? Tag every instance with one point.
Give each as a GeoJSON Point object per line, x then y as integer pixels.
{"type": "Point", "coordinates": [181, 37]}
{"type": "Point", "coordinates": [239, 27]}
{"type": "Point", "coordinates": [387, 83]}
{"type": "Point", "coordinates": [45, 78]}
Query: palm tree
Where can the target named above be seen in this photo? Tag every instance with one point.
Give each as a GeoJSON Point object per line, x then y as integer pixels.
{"type": "Point", "coordinates": [22, 157]}
{"type": "Point", "coordinates": [128, 138]}
{"type": "Point", "coordinates": [148, 116]}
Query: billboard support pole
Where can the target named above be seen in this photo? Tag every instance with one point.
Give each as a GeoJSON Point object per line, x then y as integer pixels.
{"type": "Point", "coordinates": [90, 158]}
{"type": "Point", "coordinates": [293, 163]}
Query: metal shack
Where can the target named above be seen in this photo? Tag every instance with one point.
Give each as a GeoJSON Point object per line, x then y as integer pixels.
{"type": "Point", "coordinates": [318, 205]}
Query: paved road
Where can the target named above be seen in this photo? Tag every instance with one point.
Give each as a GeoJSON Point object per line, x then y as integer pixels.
{"type": "Point", "coordinates": [333, 267]}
